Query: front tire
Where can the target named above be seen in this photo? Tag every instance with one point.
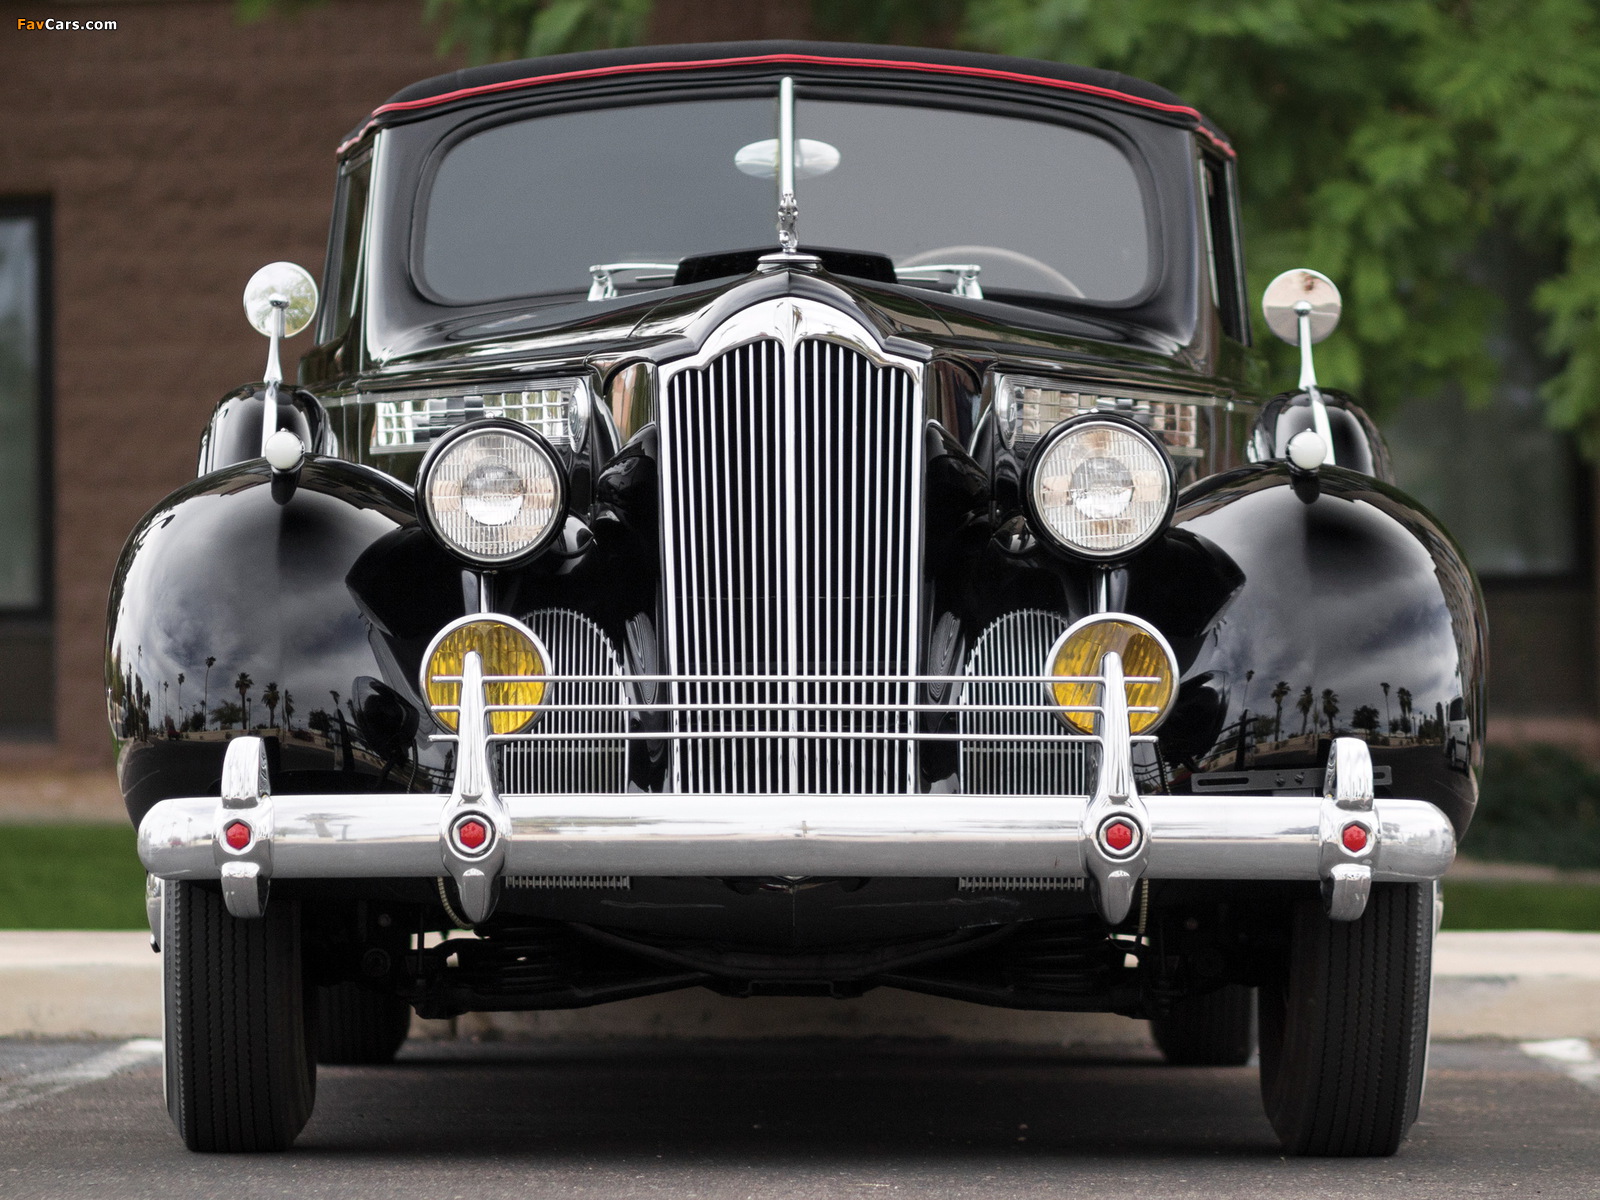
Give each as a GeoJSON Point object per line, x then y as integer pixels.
{"type": "Point", "coordinates": [357, 1026]}
{"type": "Point", "coordinates": [1344, 1037]}
{"type": "Point", "coordinates": [1213, 1030]}
{"type": "Point", "coordinates": [239, 1073]}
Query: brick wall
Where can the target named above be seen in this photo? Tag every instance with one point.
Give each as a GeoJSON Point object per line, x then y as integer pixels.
{"type": "Point", "coordinates": [181, 151]}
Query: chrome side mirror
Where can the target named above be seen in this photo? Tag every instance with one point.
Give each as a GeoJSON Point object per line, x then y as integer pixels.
{"type": "Point", "coordinates": [1302, 307]}
{"type": "Point", "coordinates": [279, 300]}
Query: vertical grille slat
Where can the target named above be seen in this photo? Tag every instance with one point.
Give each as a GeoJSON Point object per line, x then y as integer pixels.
{"type": "Point", "coordinates": [1017, 644]}
{"type": "Point", "coordinates": [792, 536]}
{"type": "Point", "coordinates": [585, 761]}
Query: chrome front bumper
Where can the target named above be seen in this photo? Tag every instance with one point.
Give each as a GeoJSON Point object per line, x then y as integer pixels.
{"type": "Point", "coordinates": [1050, 837]}
{"type": "Point", "coordinates": [1189, 837]}
{"type": "Point", "coordinates": [1115, 838]}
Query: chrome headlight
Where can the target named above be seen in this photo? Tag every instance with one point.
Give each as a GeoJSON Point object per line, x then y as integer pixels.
{"type": "Point", "coordinates": [493, 493]}
{"type": "Point", "coordinates": [1099, 487]}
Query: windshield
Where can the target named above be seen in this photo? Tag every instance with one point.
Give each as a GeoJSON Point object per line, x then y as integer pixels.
{"type": "Point", "coordinates": [529, 207]}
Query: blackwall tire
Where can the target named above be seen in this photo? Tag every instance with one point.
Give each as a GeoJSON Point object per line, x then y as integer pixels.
{"type": "Point", "coordinates": [1213, 1030]}
{"type": "Point", "coordinates": [1344, 1036]}
{"type": "Point", "coordinates": [357, 1026]}
{"type": "Point", "coordinates": [239, 1073]}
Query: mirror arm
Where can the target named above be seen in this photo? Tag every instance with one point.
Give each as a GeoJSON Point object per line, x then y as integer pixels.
{"type": "Point", "coordinates": [274, 374]}
{"type": "Point", "coordinates": [1308, 381]}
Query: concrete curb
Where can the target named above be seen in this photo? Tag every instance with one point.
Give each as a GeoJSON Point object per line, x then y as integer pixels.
{"type": "Point", "coordinates": [1523, 985]}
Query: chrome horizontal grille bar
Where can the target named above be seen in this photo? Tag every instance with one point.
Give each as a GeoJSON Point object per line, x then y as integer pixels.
{"type": "Point", "coordinates": [864, 708]}
{"type": "Point", "coordinates": [814, 735]}
{"type": "Point", "coordinates": [969, 678]}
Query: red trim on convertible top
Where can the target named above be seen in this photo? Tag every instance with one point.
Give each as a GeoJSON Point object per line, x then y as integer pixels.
{"type": "Point", "coordinates": [811, 59]}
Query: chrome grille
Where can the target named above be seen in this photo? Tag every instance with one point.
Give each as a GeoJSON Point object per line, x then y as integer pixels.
{"type": "Point", "coordinates": [792, 536]}
{"type": "Point", "coordinates": [1017, 644]}
{"type": "Point", "coordinates": [575, 755]}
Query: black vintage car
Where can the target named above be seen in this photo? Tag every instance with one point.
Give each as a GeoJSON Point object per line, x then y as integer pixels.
{"type": "Point", "coordinates": [788, 519]}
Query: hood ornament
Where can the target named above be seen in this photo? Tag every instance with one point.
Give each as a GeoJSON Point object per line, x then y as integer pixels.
{"type": "Point", "coordinates": [788, 204]}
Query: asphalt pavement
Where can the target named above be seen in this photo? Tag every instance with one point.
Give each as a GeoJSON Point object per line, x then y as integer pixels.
{"type": "Point", "coordinates": [795, 1120]}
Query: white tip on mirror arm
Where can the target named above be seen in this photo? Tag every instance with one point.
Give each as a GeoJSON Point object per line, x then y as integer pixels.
{"type": "Point", "coordinates": [1307, 450]}
{"type": "Point", "coordinates": [284, 451]}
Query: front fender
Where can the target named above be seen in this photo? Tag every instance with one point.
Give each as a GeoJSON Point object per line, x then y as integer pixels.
{"type": "Point", "coordinates": [1354, 615]}
{"type": "Point", "coordinates": [230, 612]}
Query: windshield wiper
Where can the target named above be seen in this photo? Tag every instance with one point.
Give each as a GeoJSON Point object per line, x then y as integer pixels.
{"type": "Point", "coordinates": [964, 284]}
{"type": "Point", "coordinates": [602, 276]}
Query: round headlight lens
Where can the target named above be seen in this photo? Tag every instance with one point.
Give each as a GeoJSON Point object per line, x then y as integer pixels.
{"type": "Point", "coordinates": [1101, 488]}
{"type": "Point", "coordinates": [493, 495]}
{"type": "Point", "coordinates": [1144, 653]}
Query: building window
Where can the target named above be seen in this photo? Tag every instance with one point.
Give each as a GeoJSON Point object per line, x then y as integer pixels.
{"type": "Point", "coordinates": [26, 642]}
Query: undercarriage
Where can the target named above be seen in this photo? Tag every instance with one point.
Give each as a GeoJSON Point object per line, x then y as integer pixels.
{"type": "Point", "coordinates": [1015, 947]}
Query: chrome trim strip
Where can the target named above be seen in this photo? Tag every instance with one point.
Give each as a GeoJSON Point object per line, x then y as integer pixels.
{"type": "Point", "coordinates": [917, 836]}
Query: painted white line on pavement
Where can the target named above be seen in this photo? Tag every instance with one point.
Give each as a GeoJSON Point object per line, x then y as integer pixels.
{"type": "Point", "coordinates": [1574, 1057]}
{"type": "Point", "coordinates": [17, 1093]}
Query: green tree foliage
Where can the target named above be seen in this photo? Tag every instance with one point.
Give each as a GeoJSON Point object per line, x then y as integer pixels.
{"type": "Point", "coordinates": [490, 30]}
{"type": "Point", "coordinates": [495, 29]}
{"type": "Point", "coordinates": [1383, 142]}
{"type": "Point", "coordinates": [896, 22]}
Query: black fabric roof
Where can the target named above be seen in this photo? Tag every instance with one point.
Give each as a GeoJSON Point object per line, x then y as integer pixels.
{"type": "Point", "coordinates": [495, 75]}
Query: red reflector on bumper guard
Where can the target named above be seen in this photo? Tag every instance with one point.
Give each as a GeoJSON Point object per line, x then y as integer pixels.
{"type": "Point", "coordinates": [1355, 838]}
{"type": "Point", "coordinates": [237, 835]}
{"type": "Point", "coordinates": [472, 834]}
{"type": "Point", "coordinates": [1118, 835]}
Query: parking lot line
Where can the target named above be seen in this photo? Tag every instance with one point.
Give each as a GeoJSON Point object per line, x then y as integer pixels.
{"type": "Point", "coordinates": [1573, 1057]}
{"type": "Point", "coordinates": [26, 1089]}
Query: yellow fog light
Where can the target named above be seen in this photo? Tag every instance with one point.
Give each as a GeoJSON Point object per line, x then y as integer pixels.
{"type": "Point", "coordinates": [1080, 651]}
{"type": "Point", "coordinates": [506, 647]}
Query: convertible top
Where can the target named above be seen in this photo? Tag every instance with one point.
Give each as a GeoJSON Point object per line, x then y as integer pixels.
{"type": "Point", "coordinates": [474, 84]}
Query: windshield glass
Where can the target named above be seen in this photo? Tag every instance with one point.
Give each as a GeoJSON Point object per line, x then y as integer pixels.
{"type": "Point", "coordinates": [527, 208]}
